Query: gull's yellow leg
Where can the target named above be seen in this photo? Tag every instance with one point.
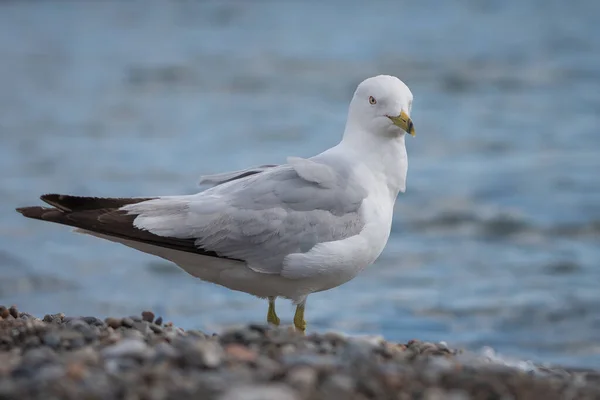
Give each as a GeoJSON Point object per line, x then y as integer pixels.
{"type": "Point", "coordinates": [272, 317]}
{"type": "Point", "coordinates": [299, 321]}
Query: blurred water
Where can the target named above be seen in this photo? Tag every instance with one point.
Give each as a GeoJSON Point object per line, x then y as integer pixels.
{"type": "Point", "coordinates": [495, 243]}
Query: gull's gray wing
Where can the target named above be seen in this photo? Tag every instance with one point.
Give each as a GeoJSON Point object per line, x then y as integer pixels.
{"type": "Point", "coordinates": [263, 217]}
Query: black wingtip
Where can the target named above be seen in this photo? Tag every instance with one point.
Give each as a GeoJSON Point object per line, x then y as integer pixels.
{"type": "Point", "coordinates": [21, 210]}
{"type": "Point", "coordinates": [35, 212]}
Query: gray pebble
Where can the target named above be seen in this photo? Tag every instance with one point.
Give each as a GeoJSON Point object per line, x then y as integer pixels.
{"type": "Point", "coordinates": [127, 322]}
{"type": "Point", "coordinates": [302, 377]}
{"type": "Point", "coordinates": [49, 372]}
{"type": "Point", "coordinates": [77, 324]}
{"type": "Point", "coordinates": [119, 365]}
{"type": "Point", "coordinates": [133, 334]}
{"type": "Point", "coordinates": [326, 362]}
{"type": "Point", "coordinates": [156, 329]}
{"type": "Point", "coordinates": [288, 348]}
{"type": "Point", "coordinates": [136, 318]}
{"type": "Point", "coordinates": [52, 339]}
{"type": "Point", "coordinates": [128, 348]}
{"type": "Point", "coordinates": [260, 392]}
{"type": "Point", "coordinates": [207, 354]}
{"type": "Point", "coordinates": [93, 321]}
{"type": "Point", "coordinates": [54, 318]}
{"type": "Point", "coordinates": [142, 326]}
{"type": "Point", "coordinates": [6, 342]}
{"type": "Point", "coordinates": [87, 355]}
{"type": "Point", "coordinates": [337, 386]}
{"type": "Point", "coordinates": [196, 333]}
{"type": "Point", "coordinates": [31, 341]}
{"type": "Point", "coordinates": [243, 336]}
{"type": "Point", "coordinates": [165, 350]}
{"type": "Point", "coordinates": [38, 356]}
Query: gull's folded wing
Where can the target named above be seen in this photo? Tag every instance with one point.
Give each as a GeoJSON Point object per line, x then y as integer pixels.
{"type": "Point", "coordinates": [259, 219]}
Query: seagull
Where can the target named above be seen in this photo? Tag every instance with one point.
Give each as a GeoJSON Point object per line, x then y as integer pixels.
{"type": "Point", "coordinates": [286, 230]}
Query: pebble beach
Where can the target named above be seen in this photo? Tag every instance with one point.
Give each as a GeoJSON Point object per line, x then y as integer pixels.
{"type": "Point", "coordinates": [144, 357]}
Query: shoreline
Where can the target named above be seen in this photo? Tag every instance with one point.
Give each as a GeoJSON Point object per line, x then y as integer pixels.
{"type": "Point", "coordinates": [141, 357]}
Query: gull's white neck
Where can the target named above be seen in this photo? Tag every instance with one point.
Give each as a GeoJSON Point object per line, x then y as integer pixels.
{"type": "Point", "coordinates": [385, 157]}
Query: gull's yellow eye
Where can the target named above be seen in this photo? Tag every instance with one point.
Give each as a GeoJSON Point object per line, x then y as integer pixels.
{"type": "Point", "coordinates": [372, 100]}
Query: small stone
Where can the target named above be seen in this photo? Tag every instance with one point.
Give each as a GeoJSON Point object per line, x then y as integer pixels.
{"type": "Point", "coordinates": [14, 312]}
{"type": "Point", "coordinates": [429, 349]}
{"type": "Point", "coordinates": [240, 353]}
{"type": "Point", "coordinates": [75, 371]}
{"type": "Point", "coordinates": [156, 329]}
{"type": "Point", "coordinates": [51, 339]}
{"type": "Point", "coordinates": [337, 386]}
{"type": "Point", "coordinates": [206, 354]}
{"type": "Point", "coordinates": [136, 318]}
{"type": "Point", "coordinates": [263, 329]}
{"type": "Point", "coordinates": [287, 348]}
{"type": "Point", "coordinates": [54, 318]}
{"type": "Point", "coordinates": [334, 337]}
{"type": "Point", "coordinates": [113, 322]}
{"type": "Point", "coordinates": [133, 334]}
{"type": "Point", "coordinates": [302, 377]}
{"type": "Point", "coordinates": [77, 324]}
{"type": "Point", "coordinates": [127, 322]}
{"type": "Point", "coordinates": [127, 348]}
{"type": "Point", "coordinates": [93, 321]}
{"type": "Point", "coordinates": [76, 343]}
{"type": "Point", "coordinates": [86, 355]}
{"type": "Point", "coordinates": [48, 373]}
{"type": "Point", "coordinates": [196, 333]}
{"type": "Point", "coordinates": [142, 326]}
{"type": "Point", "coordinates": [165, 350]}
{"type": "Point", "coordinates": [6, 342]}
{"type": "Point", "coordinates": [267, 367]}
{"type": "Point", "coordinates": [26, 316]}
{"type": "Point", "coordinates": [243, 336]}
{"type": "Point", "coordinates": [38, 356]}
{"type": "Point", "coordinates": [148, 316]}
{"type": "Point", "coordinates": [118, 365]}
{"type": "Point", "coordinates": [259, 392]}
{"type": "Point", "coordinates": [4, 313]}
{"type": "Point", "coordinates": [31, 341]}
{"type": "Point", "coordinates": [158, 321]}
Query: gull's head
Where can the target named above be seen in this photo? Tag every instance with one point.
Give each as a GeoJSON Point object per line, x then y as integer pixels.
{"type": "Point", "coordinates": [382, 105]}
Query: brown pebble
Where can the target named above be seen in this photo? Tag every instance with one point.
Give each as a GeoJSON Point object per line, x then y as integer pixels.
{"type": "Point", "coordinates": [13, 311]}
{"type": "Point", "coordinates": [241, 353]}
{"type": "Point", "coordinates": [113, 322]}
{"type": "Point", "coordinates": [4, 312]}
{"type": "Point", "coordinates": [148, 316]}
{"type": "Point", "coordinates": [75, 371]}
{"type": "Point", "coordinates": [158, 321]}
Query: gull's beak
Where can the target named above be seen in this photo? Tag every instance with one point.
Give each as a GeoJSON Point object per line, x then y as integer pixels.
{"type": "Point", "coordinates": [403, 121]}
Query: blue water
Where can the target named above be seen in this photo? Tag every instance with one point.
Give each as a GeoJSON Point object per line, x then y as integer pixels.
{"type": "Point", "coordinates": [495, 243]}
